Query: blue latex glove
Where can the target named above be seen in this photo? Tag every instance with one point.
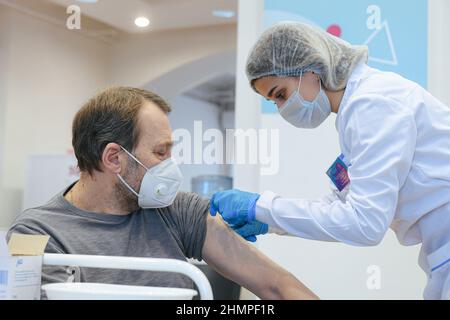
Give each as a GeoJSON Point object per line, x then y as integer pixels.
{"type": "Point", "coordinates": [250, 230]}
{"type": "Point", "coordinates": [235, 206]}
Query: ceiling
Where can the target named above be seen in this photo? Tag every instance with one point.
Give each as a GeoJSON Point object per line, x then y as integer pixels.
{"type": "Point", "coordinates": [163, 14]}
{"type": "Point", "coordinates": [107, 19]}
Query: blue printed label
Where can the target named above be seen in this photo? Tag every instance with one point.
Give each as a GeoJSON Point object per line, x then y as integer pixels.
{"type": "Point", "coordinates": [338, 173]}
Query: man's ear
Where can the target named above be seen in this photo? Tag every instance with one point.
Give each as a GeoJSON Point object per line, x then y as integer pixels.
{"type": "Point", "coordinates": [111, 158]}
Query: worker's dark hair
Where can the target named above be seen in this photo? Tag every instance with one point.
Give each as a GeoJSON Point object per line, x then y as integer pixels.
{"type": "Point", "coordinates": [110, 116]}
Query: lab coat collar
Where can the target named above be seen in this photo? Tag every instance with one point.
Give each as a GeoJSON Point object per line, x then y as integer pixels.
{"type": "Point", "coordinates": [357, 74]}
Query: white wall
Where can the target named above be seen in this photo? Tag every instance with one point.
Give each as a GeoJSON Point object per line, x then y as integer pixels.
{"type": "Point", "coordinates": [439, 49]}
{"type": "Point", "coordinates": [6, 196]}
{"type": "Point", "coordinates": [247, 109]}
{"type": "Point", "coordinates": [185, 111]}
{"type": "Point", "coordinates": [193, 74]}
{"type": "Point", "coordinates": [335, 271]}
{"type": "Point", "coordinates": [49, 73]}
{"type": "Point", "coordinates": [139, 59]}
{"type": "Point", "coordinates": [4, 59]}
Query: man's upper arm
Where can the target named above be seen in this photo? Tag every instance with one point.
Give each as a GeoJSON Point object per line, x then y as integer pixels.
{"type": "Point", "coordinates": [243, 263]}
{"type": "Point", "coordinates": [186, 219]}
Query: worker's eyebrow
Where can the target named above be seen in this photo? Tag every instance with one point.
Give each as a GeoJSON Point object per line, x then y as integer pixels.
{"type": "Point", "coordinates": [271, 92]}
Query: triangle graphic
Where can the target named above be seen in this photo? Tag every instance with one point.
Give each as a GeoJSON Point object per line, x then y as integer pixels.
{"type": "Point", "coordinates": [393, 60]}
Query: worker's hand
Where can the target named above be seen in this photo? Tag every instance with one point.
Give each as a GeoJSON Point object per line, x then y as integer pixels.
{"type": "Point", "coordinates": [236, 207]}
{"type": "Point", "coordinates": [250, 230]}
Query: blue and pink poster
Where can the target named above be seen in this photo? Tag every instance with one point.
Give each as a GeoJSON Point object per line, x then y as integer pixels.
{"type": "Point", "coordinates": [396, 32]}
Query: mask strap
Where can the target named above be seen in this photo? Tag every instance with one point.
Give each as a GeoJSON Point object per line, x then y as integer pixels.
{"type": "Point", "coordinates": [120, 177]}
{"type": "Point", "coordinates": [127, 185]}
{"type": "Point", "coordinates": [134, 158]}
{"type": "Point", "coordinates": [300, 81]}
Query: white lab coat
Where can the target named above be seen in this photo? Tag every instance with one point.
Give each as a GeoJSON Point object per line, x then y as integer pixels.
{"type": "Point", "coordinates": [395, 137]}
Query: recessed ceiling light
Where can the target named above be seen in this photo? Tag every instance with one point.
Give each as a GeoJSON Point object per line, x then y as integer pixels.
{"type": "Point", "coordinates": [87, 1]}
{"type": "Point", "coordinates": [223, 13]}
{"type": "Point", "coordinates": [142, 22]}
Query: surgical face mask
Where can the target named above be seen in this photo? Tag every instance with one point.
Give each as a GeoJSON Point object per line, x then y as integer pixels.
{"type": "Point", "coordinates": [160, 184]}
{"type": "Point", "coordinates": [306, 114]}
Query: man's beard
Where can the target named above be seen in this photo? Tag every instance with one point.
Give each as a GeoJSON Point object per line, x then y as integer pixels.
{"type": "Point", "coordinates": [127, 200]}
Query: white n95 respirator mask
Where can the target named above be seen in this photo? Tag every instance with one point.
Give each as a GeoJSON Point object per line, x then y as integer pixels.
{"type": "Point", "coordinates": [160, 184]}
{"type": "Point", "coordinates": [306, 114]}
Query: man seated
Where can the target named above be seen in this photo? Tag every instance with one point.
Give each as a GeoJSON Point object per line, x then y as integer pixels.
{"type": "Point", "coordinates": [126, 204]}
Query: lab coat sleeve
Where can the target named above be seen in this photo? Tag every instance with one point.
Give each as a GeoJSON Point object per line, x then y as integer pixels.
{"type": "Point", "coordinates": [334, 195]}
{"type": "Point", "coordinates": [381, 135]}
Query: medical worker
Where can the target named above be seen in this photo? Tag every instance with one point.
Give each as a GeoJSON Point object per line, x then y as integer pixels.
{"type": "Point", "coordinates": [394, 170]}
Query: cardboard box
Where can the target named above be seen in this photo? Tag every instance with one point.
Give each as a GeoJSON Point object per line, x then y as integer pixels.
{"type": "Point", "coordinates": [21, 266]}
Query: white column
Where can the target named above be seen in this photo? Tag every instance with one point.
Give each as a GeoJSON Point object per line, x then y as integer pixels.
{"type": "Point", "coordinates": [439, 49]}
{"type": "Point", "coordinates": [4, 37]}
{"type": "Point", "coordinates": [247, 114]}
{"type": "Point", "coordinates": [247, 109]}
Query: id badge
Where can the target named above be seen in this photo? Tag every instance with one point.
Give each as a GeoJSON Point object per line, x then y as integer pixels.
{"type": "Point", "coordinates": [338, 173]}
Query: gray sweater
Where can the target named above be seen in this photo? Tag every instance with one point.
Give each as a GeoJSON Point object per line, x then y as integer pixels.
{"type": "Point", "coordinates": [176, 232]}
